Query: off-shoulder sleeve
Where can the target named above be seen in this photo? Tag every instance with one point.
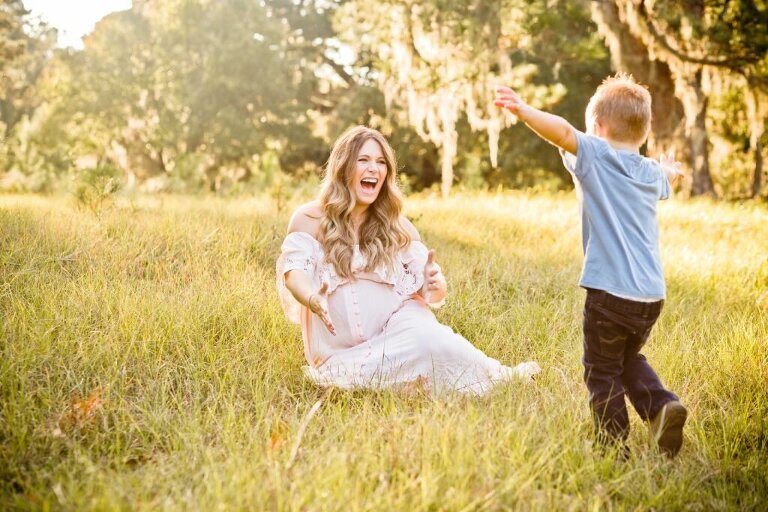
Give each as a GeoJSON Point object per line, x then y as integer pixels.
{"type": "Point", "coordinates": [414, 259]}
{"type": "Point", "coordinates": [298, 252]}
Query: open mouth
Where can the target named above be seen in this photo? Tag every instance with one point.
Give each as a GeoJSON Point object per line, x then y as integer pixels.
{"type": "Point", "coordinates": [369, 184]}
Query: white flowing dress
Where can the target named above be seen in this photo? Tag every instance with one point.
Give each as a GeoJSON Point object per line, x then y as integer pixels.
{"type": "Point", "coordinates": [385, 332]}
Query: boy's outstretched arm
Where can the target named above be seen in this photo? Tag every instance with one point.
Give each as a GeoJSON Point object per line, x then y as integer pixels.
{"type": "Point", "coordinates": [549, 127]}
{"type": "Point", "coordinates": [671, 167]}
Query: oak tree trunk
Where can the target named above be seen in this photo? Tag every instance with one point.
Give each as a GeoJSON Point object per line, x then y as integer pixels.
{"type": "Point", "coordinates": [689, 89]}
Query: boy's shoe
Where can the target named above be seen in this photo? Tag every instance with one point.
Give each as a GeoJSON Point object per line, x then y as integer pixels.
{"type": "Point", "coordinates": [667, 427]}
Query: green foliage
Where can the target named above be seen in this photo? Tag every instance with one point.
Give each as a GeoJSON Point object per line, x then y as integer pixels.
{"type": "Point", "coordinates": [187, 174]}
{"type": "Point", "coordinates": [437, 62]}
{"type": "Point", "coordinates": [94, 188]}
{"type": "Point", "coordinates": [564, 45]}
{"type": "Point", "coordinates": [732, 35]}
{"type": "Point", "coordinates": [730, 148]}
{"type": "Point", "coordinates": [183, 83]}
{"type": "Point", "coordinates": [37, 152]}
{"type": "Point", "coordinates": [24, 47]}
{"type": "Point", "coordinates": [186, 95]}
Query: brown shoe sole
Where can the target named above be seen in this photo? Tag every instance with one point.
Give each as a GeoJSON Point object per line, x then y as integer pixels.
{"type": "Point", "coordinates": [670, 434]}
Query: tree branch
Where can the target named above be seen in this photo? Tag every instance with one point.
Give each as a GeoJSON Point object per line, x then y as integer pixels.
{"type": "Point", "coordinates": [660, 39]}
{"type": "Point", "coordinates": [340, 71]}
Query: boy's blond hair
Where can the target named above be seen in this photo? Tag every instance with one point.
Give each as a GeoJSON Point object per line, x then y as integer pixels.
{"type": "Point", "coordinates": [623, 108]}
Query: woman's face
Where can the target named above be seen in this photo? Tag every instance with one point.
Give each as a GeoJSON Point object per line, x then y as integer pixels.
{"type": "Point", "coordinates": [370, 173]}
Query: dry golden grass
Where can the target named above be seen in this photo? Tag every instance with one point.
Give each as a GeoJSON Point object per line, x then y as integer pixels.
{"type": "Point", "coordinates": [146, 365]}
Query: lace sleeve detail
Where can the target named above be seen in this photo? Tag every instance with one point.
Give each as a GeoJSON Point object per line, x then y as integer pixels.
{"type": "Point", "coordinates": [411, 278]}
{"type": "Point", "coordinates": [298, 252]}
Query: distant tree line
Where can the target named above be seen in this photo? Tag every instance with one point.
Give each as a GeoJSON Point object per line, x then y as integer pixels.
{"type": "Point", "coordinates": [232, 95]}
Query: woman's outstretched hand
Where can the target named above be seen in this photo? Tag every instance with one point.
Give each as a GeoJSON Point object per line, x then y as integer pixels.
{"type": "Point", "coordinates": [434, 282]}
{"type": "Point", "coordinates": [318, 304]}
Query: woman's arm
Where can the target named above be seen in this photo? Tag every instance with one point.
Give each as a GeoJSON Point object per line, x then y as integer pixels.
{"type": "Point", "coordinates": [307, 219]}
{"type": "Point", "coordinates": [302, 290]}
{"type": "Point", "coordinates": [300, 286]}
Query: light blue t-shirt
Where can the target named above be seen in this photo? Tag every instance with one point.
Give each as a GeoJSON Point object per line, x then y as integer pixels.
{"type": "Point", "coordinates": [617, 192]}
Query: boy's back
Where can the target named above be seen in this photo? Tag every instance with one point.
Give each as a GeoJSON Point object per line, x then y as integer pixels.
{"type": "Point", "coordinates": [618, 191]}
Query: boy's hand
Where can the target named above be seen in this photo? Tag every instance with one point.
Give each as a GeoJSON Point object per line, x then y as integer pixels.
{"type": "Point", "coordinates": [507, 98]}
{"type": "Point", "coordinates": [671, 167]}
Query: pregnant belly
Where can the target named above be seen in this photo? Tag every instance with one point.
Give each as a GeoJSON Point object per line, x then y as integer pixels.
{"type": "Point", "coordinates": [360, 310]}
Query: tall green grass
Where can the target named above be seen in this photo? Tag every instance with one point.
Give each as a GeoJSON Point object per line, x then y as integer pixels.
{"type": "Point", "coordinates": [145, 364]}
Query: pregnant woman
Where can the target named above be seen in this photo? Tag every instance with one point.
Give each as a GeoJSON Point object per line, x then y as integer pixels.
{"type": "Point", "coordinates": [354, 273]}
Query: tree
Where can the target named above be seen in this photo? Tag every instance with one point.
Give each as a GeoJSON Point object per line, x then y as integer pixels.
{"type": "Point", "coordinates": [694, 38]}
{"type": "Point", "coordinates": [629, 54]}
{"type": "Point", "coordinates": [194, 89]}
{"type": "Point", "coordinates": [757, 113]}
{"type": "Point", "coordinates": [25, 44]}
{"type": "Point", "coordinates": [440, 60]}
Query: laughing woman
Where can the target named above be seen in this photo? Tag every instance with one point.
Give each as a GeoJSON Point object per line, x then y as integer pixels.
{"type": "Point", "coordinates": [354, 273]}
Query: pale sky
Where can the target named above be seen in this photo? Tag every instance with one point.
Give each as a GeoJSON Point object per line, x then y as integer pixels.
{"type": "Point", "coordinates": [74, 18]}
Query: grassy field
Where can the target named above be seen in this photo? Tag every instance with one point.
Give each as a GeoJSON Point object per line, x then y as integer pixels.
{"type": "Point", "coordinates": [145, 364]}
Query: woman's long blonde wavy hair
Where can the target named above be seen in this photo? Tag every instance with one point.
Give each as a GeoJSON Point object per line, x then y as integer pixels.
{"type": "Point", "coordinates": [382, 234]}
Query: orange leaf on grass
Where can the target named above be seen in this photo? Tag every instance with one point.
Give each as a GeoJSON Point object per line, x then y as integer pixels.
{"type": "Point", "coordinates": [81, 412]}
{"type": "Point", "coordinates": [278, 434]}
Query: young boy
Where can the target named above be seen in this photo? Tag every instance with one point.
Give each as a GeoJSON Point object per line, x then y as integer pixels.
{"type": "Point", "coordinates": [617, 190]}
